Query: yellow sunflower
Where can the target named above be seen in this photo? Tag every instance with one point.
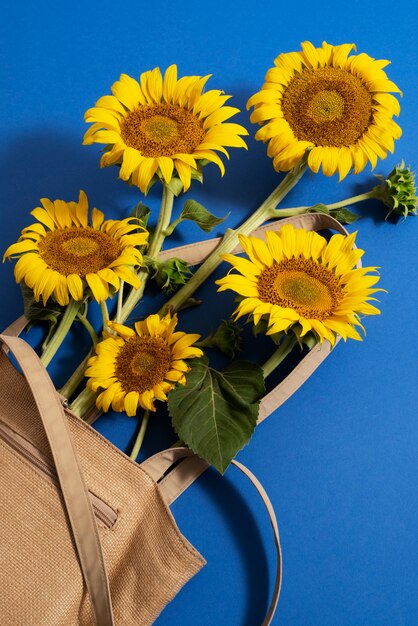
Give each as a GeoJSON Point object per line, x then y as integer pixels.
{"type": "Point", "coordinates": [136, 367]}
{"type": "Point", "coordinates": [297, 277]}
{"type": "Point", "coordinates": [337, 106]}
{"type": "Point", "coordinates": [62, 255]}
{"type": "Point", "coordinates": [161, 126]}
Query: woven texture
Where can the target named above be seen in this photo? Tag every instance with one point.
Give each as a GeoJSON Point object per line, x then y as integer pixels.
{"type": "Point", "coordinates": [147, 558]}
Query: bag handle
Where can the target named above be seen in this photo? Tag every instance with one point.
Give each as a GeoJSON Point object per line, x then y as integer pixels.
{"type": "Point", "coordinates": [195, 253]}
{"type": "Point", "coordinates": [70, 477]}
{"type": "Point", "coordinates": [166, 458]}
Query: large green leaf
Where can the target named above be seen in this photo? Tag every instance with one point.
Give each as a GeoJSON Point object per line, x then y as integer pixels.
{"type": "Point", "coordinates": [215, 413]}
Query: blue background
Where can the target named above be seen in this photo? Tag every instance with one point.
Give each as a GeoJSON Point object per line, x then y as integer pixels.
{"type": "Point", "coordinates": [339, 459]}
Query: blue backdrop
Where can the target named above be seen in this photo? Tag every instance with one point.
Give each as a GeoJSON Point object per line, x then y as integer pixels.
{"type": "Point", "coordinates": [339, 459]}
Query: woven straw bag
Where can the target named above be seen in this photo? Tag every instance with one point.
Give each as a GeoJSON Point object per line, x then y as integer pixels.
{"type": "Point", "coordinates": [86, 535]}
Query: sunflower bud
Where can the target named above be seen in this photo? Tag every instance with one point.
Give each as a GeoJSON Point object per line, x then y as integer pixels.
{"type": "Point", "coordinates": [398, 192]}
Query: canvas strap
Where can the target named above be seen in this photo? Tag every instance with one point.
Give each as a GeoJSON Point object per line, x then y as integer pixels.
{"type": "Point", "coordinates": [74, 491]}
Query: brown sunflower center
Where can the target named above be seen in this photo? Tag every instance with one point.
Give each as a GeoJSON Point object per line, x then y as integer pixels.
{"type": "Point", "coordinates": [78, 250]}
{"type": "Point", "coordinates": [142, 363]}
{"type": "Point", "coordinates": [162, 130]}
{"type": "Point", "coordinates": [328, 106]}
{"type": "Point", "coordinates": [309, 288]}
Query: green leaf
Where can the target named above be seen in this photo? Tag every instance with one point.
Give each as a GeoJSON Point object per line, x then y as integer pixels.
{"type": "Point", "coordinates": [227, 338]}
{"type": "Point", "coordinates": [189, 303]}
{"type": "Point", "coordinates": [215, 413]}
{"type": "Point", "coordinates": [344, 216]}
{"type": "Point", "coordinates": [202, 217]}
{"type": "Point", "coordinates": [36, 311]}
{"type": "Point", "coordinates": [142, 213]}
{"type": "Point", "coordinates": [319, 208]}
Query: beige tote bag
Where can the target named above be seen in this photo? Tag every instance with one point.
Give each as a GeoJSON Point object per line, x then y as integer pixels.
{"type": "Point", "coordinates": [86, 534]}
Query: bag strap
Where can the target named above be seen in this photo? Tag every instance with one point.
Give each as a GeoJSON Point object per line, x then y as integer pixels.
{"type": "Point", "coordinates": [166, 458]}
{"type": "Point", "coordinates": [16, 327]}
{"type": "Point", "coordinates": [195, 253]}
{"type": "Point", "coordinates": [70, 477]}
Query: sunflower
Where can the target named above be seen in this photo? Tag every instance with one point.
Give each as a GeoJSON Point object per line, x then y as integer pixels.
{"type": "Point", "coordinates": [136, 367]}
{"type": "Point", "coordinates": [337, 106]}
{"type": "Point", "coordinates": [62, 255]}
{"type": "Point", "coordinates": [297, 277]}
{"type": "Point", "coordinates": [162, 126]}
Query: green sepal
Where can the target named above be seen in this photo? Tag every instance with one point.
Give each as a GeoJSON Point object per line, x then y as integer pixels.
{"type": "Point", "coordinates": [227, 338]}
{"type": "Point", "coordinates": [309, 339]}
{"type": "Point", "coordinates": [197, 174]}
{"type": "Point", "coordinates": [215, 413]}
{"type": "Point", "coordinates": [175, 186]}
{"type": "Point", "coordinates": [197, 213]}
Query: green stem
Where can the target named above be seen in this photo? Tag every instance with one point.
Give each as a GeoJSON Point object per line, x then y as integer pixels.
{"type": "Point", "coordinates": [120, 302]}
{"type": "Point", "coordinates": [279, 213]}
{"type": "Point", "coordinates": [105, 314]}
{"type": "Point", "coordinates": [153, 251]}
{"type": "Point", "coordinates": [89, 328]}
{"type": "Point", "coordinates": [64, 326]}
{"type": "Point", "coordinates": [170, 229]}
{"type": "Point", "coordinates": [265, 212]}
{"type": "Point", "coordinates": [140, 436]}
{"type": "Point", "coordinates": [84, 403]}
{"type": "Point", "coordinates": [279, 356]}
{"type": "Point", "coordinates": [75, 379]}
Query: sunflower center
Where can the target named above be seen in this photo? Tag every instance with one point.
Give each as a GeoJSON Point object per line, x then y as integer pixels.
{"type": "Point", "coordinates": [328, 106]}
{"type": "Point", "coordinates": [142, 363]}
{"type": "Point", "coordinates": [311, 289]}
{"type": "Point", "coordinates": [81, 246]}
{"type": "Point", "coordinates": [162, 130]}
{"type": "Point", "coordinates": [78, 250]}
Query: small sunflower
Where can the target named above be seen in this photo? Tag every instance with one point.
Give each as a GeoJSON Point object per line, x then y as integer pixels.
{"type": "Point", "coordinates": [297, 277]}
{"type": "Point", "coordinates": [136, 367]}
{"type": "Point", "coordinates": [162, 126]}
{"type": "Point", "coordinates": [61, 255]}
{"type": "Point", "coordinates": [339, 107]}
